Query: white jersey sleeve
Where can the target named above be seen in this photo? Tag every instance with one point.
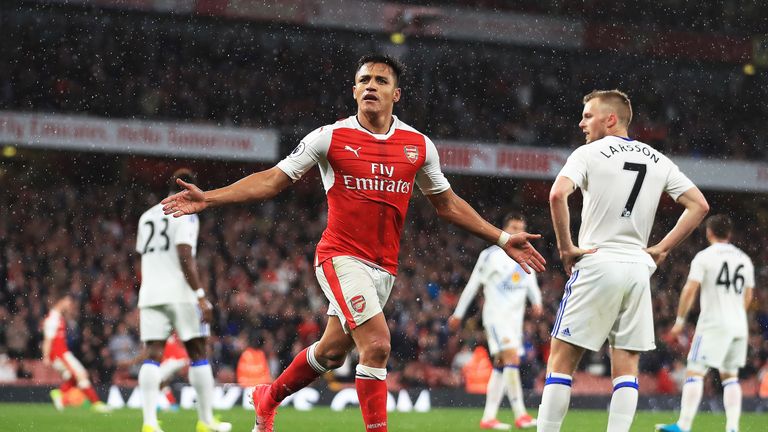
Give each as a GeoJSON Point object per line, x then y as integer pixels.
{"type": "Point", "coordinates": [749, 274]}
{"type": "Point", "coordinates": [430, 177]}
{"type": "Point", "coordinates": [534, 292]}
{"type": "Point", "coordinates": [186, 231]}
{"type": "Point", "coordinates": [312, 150]}
{"type": "Point", "coordinates": [476, 279]}
{"type": "Point", "coordinates": [51, 325]}
{"type": "Point", "coordinates": [698, 268]}
{"type": "Point", "coordinates": [575, 168]}
{"type": "Point", "coordinates": [677, 183]}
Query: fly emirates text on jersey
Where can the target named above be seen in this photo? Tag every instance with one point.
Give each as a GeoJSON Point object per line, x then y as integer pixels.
{"type": "Point", "coordinates": [381, 181]}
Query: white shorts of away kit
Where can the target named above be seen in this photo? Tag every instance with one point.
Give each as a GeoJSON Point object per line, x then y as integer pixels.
{"type": "Point", "coordinates": [716, 350]}
{"type": "Point", "coordinates": [157, 322]}
{"type": "Point", "coordinates": [607, 300]}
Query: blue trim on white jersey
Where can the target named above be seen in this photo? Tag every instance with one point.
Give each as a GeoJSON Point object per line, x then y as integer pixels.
{"type": "Point", "coordinates": [196, 363]}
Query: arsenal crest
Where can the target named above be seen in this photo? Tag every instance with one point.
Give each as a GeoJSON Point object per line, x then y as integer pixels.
{"type": "Point", "coordinates": [411, 153]}
{"type": "Point", "coordinates": [357, 303]}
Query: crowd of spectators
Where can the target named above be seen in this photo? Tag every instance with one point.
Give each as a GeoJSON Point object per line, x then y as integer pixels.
{"type": "Point", "coordinates": [166, 67]}
{"type": "Point", "coordinates": [257, 263]}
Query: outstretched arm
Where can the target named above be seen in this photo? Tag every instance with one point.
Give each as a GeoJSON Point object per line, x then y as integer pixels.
{"type": "Point", "coordinates": [696, 207]}
{"type": "Point", "coordinates": [455, 210]}
{"type": "Point", "coordinates": [256, 187]}
{"type": "Point", "coordinates": [561, 221]}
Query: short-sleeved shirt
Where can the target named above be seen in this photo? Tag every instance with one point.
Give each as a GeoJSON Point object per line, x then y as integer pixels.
{"type": "Point", "coordinates": [505, 287]}
{"type": "Point", "coordinates": [162, 278]}
{"type": "Point", "coordinates": [724, 272]}
{"type": "Point", "coordinates": [368, 179]}
{"type": "Point", "coordinates": [622, 181]}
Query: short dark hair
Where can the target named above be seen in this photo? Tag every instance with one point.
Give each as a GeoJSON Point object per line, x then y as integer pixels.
{"type": "Point", "coordinates": [720, 225]}
{"type": "Point", "coordinates": [397, 67]}
{"type": "Point", "coordinates": [185, 174]}
{"type": "Point", "coordinates": [513, 215]}
{"type": "Point", "coordinates": [617, 99]}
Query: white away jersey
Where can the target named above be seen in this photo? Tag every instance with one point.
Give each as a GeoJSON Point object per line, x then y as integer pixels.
{"type": "Point", "coordinates": [505, 287]}
{"type": "Point", "coordinates": [162, 279]}
{"type": "Point", "coordinates": [622, 181]}
{"type": "Point", "coordinates": [724, 272]}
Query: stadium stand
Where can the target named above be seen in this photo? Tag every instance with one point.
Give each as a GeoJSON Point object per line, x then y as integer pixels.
{"type": "Point", "coordinates": [251, 74]}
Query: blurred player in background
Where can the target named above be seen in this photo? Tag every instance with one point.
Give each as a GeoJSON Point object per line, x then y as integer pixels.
{"type": "Point", "coordinates": [505, 287]}
{"type": "Point", "coordinates": [171, 297]}
{"type": "Point", "coordinates": [57, 354]}
{"type": "Point", "coordinates": [608, 294]}
{"type": "Point", "coordinates": [724, 277]}
{"type": "Point", "coordinates": [369, 164]}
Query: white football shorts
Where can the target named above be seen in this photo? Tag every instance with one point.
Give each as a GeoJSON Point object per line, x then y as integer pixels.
{"type": "Point", "coordinates": [716, 350]}
{"type": "Point", "coordinates": [607, 301]}
{"type": "Point", "coordinates": [504, 336]}
{"type": "Point", "coordinates": [356, 291]}
{"type": "Point", "coordinates": [157, 322]}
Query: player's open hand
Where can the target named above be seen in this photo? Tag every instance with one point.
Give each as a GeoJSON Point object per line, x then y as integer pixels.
{"type": "Point", "coordinates": [520, 249]}
{"type": "Point", "coordinates": [571, 255]}
{"type": "Point", "coordinates": [190, 200]}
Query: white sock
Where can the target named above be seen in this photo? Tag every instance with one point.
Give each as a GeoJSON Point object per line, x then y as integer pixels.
{"type": "Point", "coordinates": [554, 402]}
{"type": "Point", "coordinates": [149, 386]}
{"type": "Point", "coordinates": [170, 367]}
{"type": "Point", "coordinates": [732, 403]}
{"type": "Point", "coordinates": [493, 394]}
{"type": "Point", "coordinates": [623, 403]}
{"type": "Point", "coordinates": [201, 378]}
{"type": "Point", "coordinates": [514, 389]}
{"type": "Point", "coordinates": [690, 400]}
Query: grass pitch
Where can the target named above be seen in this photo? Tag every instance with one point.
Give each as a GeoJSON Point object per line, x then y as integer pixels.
{"type": "Point", "coordinates": [43, 417]}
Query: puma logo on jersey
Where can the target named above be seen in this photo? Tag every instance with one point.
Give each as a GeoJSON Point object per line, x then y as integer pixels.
{"type": "Point", "coordinates": [353, 150]}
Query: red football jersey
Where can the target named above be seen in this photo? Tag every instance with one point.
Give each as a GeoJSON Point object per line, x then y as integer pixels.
{"type": "Point", "coordinates": [55, 327]}
{"type": "Point", "coordinates": [369, 179]}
